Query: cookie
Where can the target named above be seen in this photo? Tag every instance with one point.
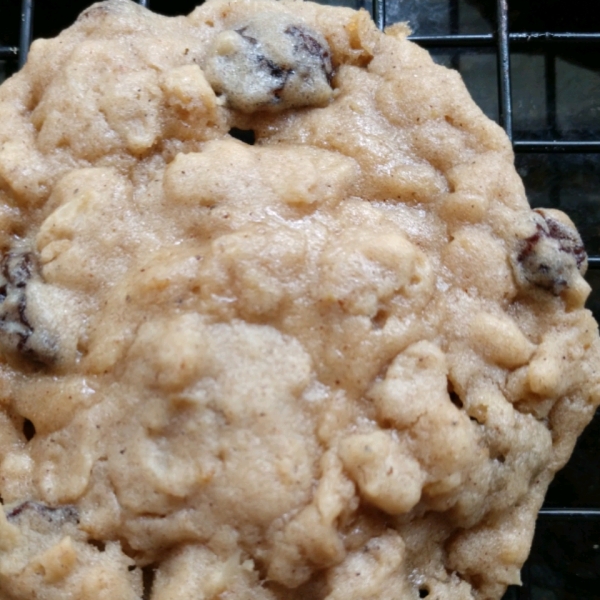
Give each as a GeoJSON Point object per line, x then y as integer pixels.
{"type": "Point", "coordinates": [276, 318]}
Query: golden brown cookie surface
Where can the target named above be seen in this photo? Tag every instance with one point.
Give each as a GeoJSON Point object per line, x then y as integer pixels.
{"type": "Point", "coordinates": [341, 362]}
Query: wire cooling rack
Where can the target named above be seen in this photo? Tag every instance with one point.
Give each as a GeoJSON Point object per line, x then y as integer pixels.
{"type": "Point", "coordinates": [565, 559]}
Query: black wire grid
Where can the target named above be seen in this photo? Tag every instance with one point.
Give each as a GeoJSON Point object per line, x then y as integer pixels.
{"type": "Point", "coordinates": [501, 41]}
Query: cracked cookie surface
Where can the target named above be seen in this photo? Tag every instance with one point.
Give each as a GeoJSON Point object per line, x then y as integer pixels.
{"type": "Point", "coordinates": [342, 360]}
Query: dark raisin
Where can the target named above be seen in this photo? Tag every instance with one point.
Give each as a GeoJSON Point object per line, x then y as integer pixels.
{"type": "Point", "coordinates": [304, 42]}
{"type": "Point", "coordinates": [242, 32]}
{"type": "Point", "coordinates": [15, 271]}
{"type": "Point", "coordinates": [277, 74]}
{"type": "Point", "coordinates": [274, 71]}
{"type": "Point", "coordinates": [17, 268]}
{"type": "Point", "coordinates": [274, 64]}
{"type": "Point", "coordinates": [551, 257]}
{"type": "Point", "coordinates": [17, 332]}
{"type": "Point", "coordinates": [569, 240]}
{"type": "Point", "coordinates": [53, 514]}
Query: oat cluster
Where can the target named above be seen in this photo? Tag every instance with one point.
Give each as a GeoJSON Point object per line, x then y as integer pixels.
{"type": "Point", "coordinates": [276, 319]}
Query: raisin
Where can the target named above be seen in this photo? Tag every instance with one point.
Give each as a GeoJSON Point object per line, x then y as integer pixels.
{"type": "Point", "coordinates": [306, 43]}
{"type": "Point", "coordinates": [17, 333]}
{"type": "Point", "coordinates": [262, 62]}
{"type": "Point", "coordinates": [553, 255]}
{"type": "Point", "coordinates": [242, 32]}
{"type": "Point", "coordinates": [278, 74]}
{"type": "Point", "coordinates": [271, 62]}
{"type": "Point", "coordinates": [569, 240]}
{"type": "Point", "coordinates": [15, 272]}
{"type": "Point", "coordinates": [52, 514]}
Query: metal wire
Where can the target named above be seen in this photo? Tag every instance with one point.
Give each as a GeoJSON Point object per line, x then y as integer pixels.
{"type": "Point", "coordinates": [504, 84]}
{"type": "Point", "coordinates": [8, 52]}
{"type": "Point", "coordinates": [576, 146]}
{"type": "Point", "coordinates": [552, 514]}
{"type": "Point", "coordinates": [26, 32]}
{"type": "Point", "coordinates": [379, 13]}
{"type": "Point", "coordinates": [502, 40]}
{"type": "Point", "coordinates": [594, 262]}
{"type": "Point", "coordinates": [515, 39]}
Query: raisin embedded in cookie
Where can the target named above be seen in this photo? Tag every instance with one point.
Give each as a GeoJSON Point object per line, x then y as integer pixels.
{"type": "Point", "coordinates": [271, 62]}
{"type": "Point", "coordinates": [276, 318]}
{"type": "Point", "coordinates": [552, 256]}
